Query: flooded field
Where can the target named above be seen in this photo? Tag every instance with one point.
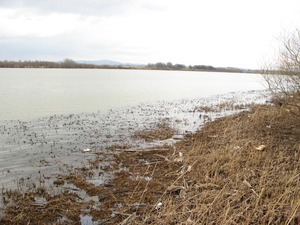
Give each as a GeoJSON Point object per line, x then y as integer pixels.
{"type": "Point", "coordinates": [31, 93]}
{"type": "Point", "coordinates": [35, 153]}
{"type": "Point", "coordinates": [62, 132]}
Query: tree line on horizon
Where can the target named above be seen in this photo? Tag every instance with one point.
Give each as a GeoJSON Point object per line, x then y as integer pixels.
{"type": "Point", "coordinates": [66, 63]}
{"type": "Point", "coordinates": [170, 66]}
{"type": "Point", "coordinates": [69, 63]}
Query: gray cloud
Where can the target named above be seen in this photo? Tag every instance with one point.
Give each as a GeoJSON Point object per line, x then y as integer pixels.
{"type": "Point", "coordinates": [189, 32]}
{"type": "Point", "coordinates": [85, 7]}
{"type": "Point", "coordinates": [31, 48]}
{"type": "Point", "coordinates": [58, 48]}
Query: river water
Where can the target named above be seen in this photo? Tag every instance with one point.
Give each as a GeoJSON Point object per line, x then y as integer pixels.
{"type": "Point", "coordinates": [49, 117]}
{"type": "Point", "coordinates": [31, 93]}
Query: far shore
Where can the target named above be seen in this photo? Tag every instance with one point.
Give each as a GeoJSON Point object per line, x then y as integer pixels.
{"type": "Point", "coordinates": [70, 64]}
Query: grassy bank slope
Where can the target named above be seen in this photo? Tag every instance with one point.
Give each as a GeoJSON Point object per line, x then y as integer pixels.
{"type": "Point", "coordinates": [241, 169]}
{"type": "Point", "coordinates": [245, 171]}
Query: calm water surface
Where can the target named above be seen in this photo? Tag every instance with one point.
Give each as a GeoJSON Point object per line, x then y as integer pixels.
{"type": "Point", "coordinates": [31, 93]}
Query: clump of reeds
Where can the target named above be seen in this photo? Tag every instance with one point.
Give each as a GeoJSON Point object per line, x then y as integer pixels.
{"type": "Point", "coordinates": [162, 132]}
{"type": "Point", "coordinates": [40, 207]}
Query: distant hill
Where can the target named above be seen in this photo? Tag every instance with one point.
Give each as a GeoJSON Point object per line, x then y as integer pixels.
{"type": "Point", "coordinates": [107, 62]}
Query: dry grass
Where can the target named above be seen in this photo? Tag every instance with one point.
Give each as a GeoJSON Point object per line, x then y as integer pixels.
{"type": "Point", "coordinates": [162, 132]}
{"type": "Point", "coordinates": [231, 181]}
{"type": "Point", "coordinates": [241, 169]}
{"type": "Point", "coordinates": [39, 207]}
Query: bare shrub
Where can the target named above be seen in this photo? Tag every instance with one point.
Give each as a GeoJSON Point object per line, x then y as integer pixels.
{"type": "Point", "coordinates": [283, 74]}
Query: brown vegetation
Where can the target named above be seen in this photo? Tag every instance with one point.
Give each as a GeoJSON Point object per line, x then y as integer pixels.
{"type": "Point", "coordinates": [162, 132]}
{"type": "Point", "coordinates": [245, 170]}
{"type": "Point", "coordinates": [241, 169]}
{"type": "Point", "coordinates": [39, 207]}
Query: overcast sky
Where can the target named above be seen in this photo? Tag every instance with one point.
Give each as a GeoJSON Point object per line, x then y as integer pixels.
{"type": "Point", "coordinates": [238, 33]}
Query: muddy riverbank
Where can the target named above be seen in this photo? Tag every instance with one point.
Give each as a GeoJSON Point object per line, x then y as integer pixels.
{"type": "Point", "coordinates": [38, 152]}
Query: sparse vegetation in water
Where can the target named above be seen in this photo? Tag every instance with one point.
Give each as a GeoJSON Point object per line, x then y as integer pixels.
{"type": "Point", "coordinates": [240, 169]}
{"type": "Point", "coordinates": [162, 131]}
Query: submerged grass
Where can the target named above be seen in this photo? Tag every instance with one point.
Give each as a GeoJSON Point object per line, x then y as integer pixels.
{"type": "Point", "coordinates": [161, 132]}
{"type": "Point", "coordinates": [240, 169]}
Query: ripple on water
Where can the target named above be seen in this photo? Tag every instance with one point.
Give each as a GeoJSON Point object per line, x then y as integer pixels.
{"type": "Point", "coordinates": [53, 145]}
